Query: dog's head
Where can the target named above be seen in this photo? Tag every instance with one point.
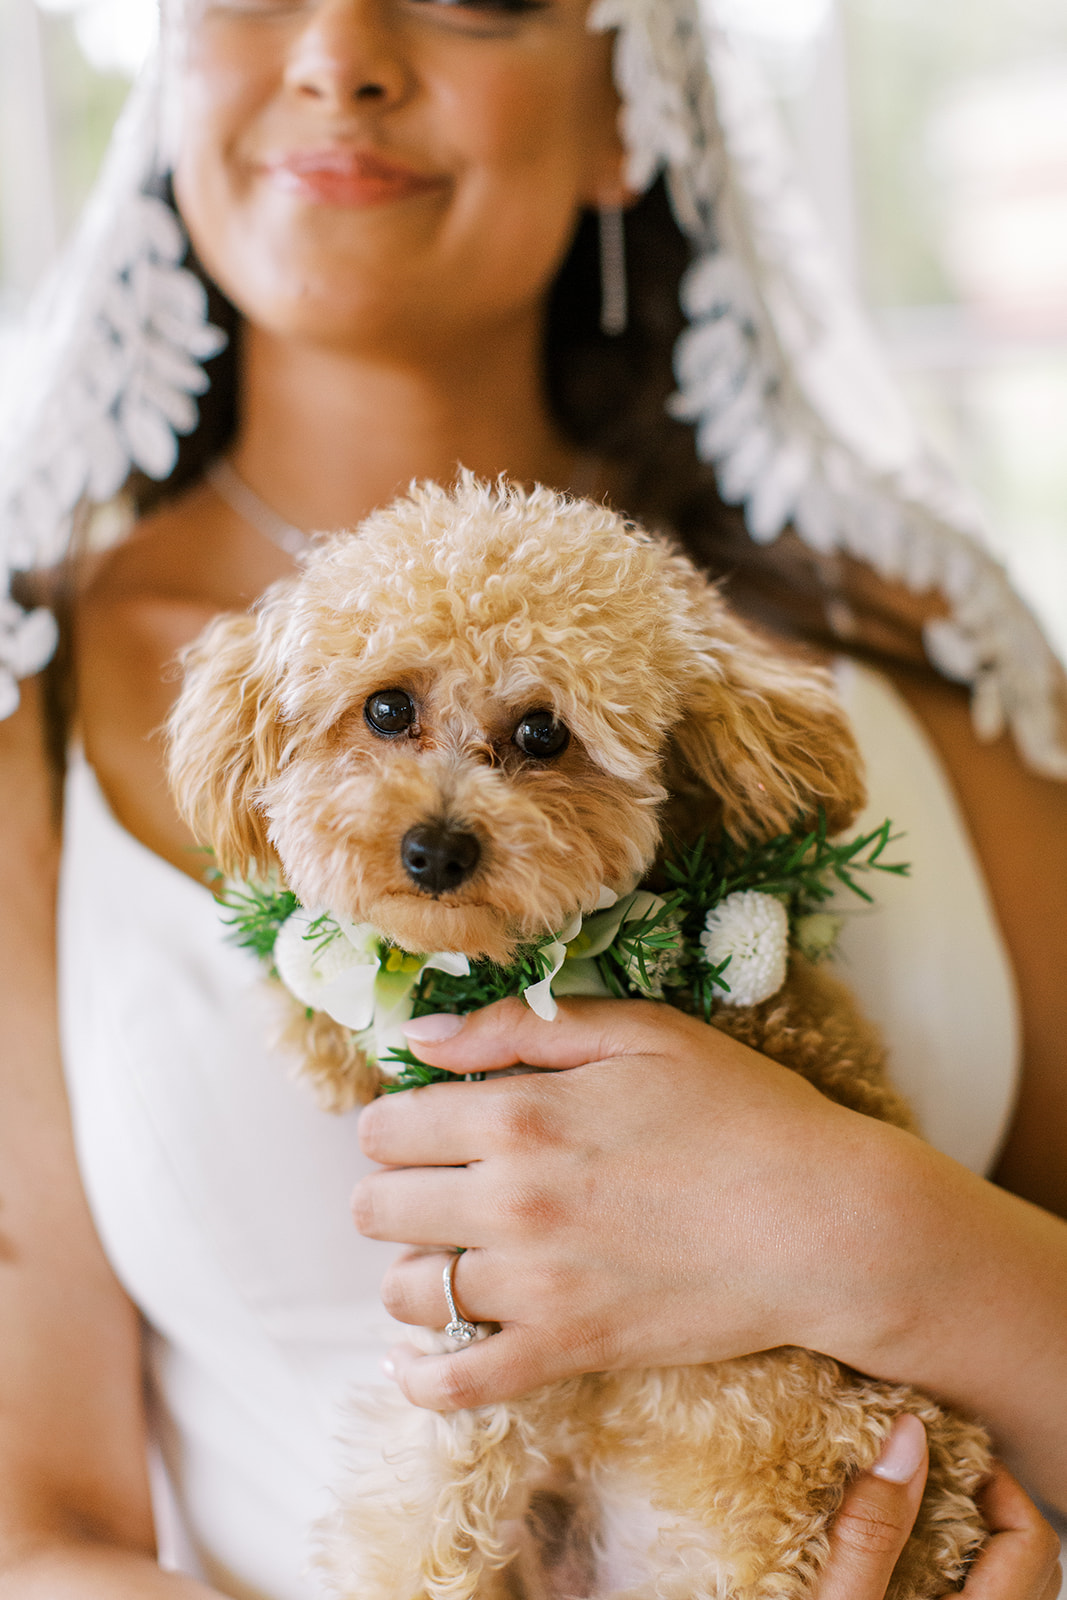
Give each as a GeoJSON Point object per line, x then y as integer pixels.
{"type": "Point", "coordinates": [456, 722]}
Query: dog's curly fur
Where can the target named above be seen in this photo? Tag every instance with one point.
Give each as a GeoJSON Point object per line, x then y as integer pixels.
{"type": "Point", "coordinates": [485, 603]}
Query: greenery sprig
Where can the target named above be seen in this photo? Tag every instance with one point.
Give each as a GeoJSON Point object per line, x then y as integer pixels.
{"type": "Point", "coordinates": [647, 946]}
{"type": "Point", "coordinates": [256, 913]}
{"type": "Point", "coordinates": [803, 866]}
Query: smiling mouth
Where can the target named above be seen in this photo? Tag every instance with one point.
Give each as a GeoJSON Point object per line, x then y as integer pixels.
{"type": "Point", "coordinates": [342, 177]}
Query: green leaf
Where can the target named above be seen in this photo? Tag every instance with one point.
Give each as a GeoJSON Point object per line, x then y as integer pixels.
{"type": "Point", "coordinates": [256, 912]}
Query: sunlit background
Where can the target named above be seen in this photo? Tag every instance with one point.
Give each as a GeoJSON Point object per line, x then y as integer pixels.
{"type": "Point", "coordinates": [933, 136]}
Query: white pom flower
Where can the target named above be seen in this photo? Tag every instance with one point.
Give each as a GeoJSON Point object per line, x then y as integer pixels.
{"type": "Point", "coordinates": [752, 929]}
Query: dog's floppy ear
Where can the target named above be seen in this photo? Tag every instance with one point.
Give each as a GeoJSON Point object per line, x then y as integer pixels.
{"type": "Point", "coordinates": [224, 738]}
{"type": "Point", "coordinates": [762, 730]}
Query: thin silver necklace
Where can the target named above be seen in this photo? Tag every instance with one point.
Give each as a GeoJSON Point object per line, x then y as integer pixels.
{"type": "Point", "coordinates": [232, 488]}
{"type": "Point", "coordinates": [242, 498]}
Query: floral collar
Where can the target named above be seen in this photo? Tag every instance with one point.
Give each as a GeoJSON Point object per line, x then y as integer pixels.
{"type": "Point", "coordinates": [720, 935]}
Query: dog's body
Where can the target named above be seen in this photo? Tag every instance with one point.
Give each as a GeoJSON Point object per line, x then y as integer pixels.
{"type": "Point", "coordinates": [460, 725]}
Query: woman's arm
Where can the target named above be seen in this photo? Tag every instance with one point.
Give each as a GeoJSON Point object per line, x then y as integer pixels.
{"type": "Point", "coordinates": [1019, 826]}
{"type": "Point", "coordinates": [75, 1516]}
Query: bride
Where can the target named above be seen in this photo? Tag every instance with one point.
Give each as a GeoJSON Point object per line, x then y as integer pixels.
{"type": "Point", "coordinates": [422, 236]}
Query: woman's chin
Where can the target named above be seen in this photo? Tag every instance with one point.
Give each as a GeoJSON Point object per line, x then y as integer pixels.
{"type": "Point", "coordinates": [340, 277]}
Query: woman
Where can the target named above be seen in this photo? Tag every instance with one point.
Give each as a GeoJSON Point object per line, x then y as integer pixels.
{"type": "Point", "coordinates": [388, 192]}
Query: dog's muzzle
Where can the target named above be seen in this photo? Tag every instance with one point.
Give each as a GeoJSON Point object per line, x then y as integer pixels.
{"type": "Point", "coordinates": [437, 857]}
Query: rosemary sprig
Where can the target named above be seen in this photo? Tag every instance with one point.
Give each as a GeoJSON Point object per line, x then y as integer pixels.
{"type": "Point", "coordinates": [802, 866]}
{"type": "Point", "coordinates": [486, 982]}
{"type": "Point", "coordinates": [256, 913]}
{"type": "Point", "coordinates": [413, 1073]}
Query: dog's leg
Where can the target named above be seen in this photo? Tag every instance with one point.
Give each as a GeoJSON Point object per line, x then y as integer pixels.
{"type": "Point", "coordinates": [330, 1057]}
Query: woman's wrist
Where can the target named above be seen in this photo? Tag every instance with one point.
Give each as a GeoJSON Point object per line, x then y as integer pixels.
{"type": "Point", "coordinates": [865, 1291]}
{"type": "Point", "coordinates": [943, 1275]}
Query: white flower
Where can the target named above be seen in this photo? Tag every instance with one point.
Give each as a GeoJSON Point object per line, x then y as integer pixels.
{"type": "Point", "coordinates": [752, 931]}
{"type": "Point", "coordinates": [341, 967]}
{"type": "Point", "coordinates": [572, 954]}
{"type": "Point", "coordinates": [539, 996]}
{"type": "Point", "coordinates": [816, 934]}
{"type": "Point", "coordinates": [332, 974]}
{"type": "Point", "coordinates": [602, 931]}
{"type": "Point", "coordinates": [581, 978]}
{"type": "Point", "coordinates": [393, 988]}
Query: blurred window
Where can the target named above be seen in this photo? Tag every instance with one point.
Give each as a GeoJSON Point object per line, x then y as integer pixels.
{"type": "Point", "coordinates": [933, 135]}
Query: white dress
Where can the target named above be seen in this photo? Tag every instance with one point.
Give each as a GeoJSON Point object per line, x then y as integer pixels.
{"type": "Point", "coordinates": [221, 1192]}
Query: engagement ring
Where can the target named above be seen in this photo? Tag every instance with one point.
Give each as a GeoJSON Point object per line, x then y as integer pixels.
{"type": "Point", "coordinates": [459, 1328]}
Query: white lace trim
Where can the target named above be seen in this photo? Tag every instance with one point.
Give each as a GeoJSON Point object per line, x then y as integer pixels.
{"type": "Point", "coordinates": [782, 381]}
{"type": "Point", "coordinates": [110, 367]}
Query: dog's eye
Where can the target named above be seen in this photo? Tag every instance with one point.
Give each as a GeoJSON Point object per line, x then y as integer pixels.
{"type": "Point", "coordinates": [539, 734]}
{"type": "Point", "coordinates": [389, 711]}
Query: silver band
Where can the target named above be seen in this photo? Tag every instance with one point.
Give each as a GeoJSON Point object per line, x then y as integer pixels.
{"type": "Point", "coordinates": [459, 1328]}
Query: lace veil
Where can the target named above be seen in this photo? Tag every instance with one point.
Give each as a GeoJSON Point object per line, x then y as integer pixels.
{"type": "Point", "coordinates": [776, 371]}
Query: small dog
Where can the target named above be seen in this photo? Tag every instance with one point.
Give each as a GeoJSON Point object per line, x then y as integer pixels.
{"type": "Point", "coordinates": [459, 724]}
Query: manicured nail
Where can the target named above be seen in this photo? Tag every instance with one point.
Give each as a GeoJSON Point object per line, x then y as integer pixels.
{"type": "Point", "coordinates": [388, 1367]}
{"type": "Point", "coordinates": [434, 1029]}
{"type": "Point", "coordinates": [903, 1452]}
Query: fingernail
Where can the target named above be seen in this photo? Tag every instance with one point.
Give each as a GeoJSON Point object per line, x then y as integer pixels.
{"type": "Point", "coordinates": [388, 1367]}
{"type": "Point", "coordinates": [434, 1029]}
{"type": "Point", "coordinates": [903, 1452]}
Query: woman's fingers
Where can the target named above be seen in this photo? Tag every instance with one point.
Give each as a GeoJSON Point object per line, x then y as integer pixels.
{"type": "Point", "coordinates": [502, 1367]}
{"type": "Point", "coordinates": [592, 1192]}
{"type": "Point", "coordinates": [509, 1034]}
{"type": "Point", "coordinates": [419, 1205]}
{"type": "Point", "coordinates": [1020, 1562]}
{"type": "Point", "coordinates": [451, 1124]}
{"type": "Point", "coordinates": [876, 1517]}
{"type": "Point", "coordinates": [412, 1289]}
{"type": "Point", "coordinates": [1022, 1559]}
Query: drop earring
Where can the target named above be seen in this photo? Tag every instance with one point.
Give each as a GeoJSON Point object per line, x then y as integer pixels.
{"type": "Point", "coordinates": [614, 296]}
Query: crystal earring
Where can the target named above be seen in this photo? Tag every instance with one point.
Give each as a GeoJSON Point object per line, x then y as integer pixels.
{"type": "Point", "coordinates": [614, 296]}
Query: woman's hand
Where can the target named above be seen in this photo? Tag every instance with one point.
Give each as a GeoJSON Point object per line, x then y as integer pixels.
{"type": "Point", "coordinates": [675, 1198]}
{"type": "Point", "coordinates": [1020, 1562]}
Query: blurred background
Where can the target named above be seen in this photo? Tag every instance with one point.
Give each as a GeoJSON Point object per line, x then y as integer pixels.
{"type": "Point", "coordinates": [933, 137]}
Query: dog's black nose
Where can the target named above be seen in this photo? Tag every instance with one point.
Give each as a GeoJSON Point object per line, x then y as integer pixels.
{"type": "Point", "coordinates": [438, 857]}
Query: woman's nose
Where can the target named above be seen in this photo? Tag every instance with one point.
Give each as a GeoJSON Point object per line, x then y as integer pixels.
{"type": "Point", "coordinates": [349, 52]}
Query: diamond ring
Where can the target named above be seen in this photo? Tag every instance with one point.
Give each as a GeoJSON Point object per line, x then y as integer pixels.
{"type": "Point", "coordinates": [459, 1328]}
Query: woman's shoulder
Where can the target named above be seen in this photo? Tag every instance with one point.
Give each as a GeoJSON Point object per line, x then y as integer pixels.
{"type": "Point", "coordinates": [137, 606]}
{"type": "Point", "coordinates": [187, 551]}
